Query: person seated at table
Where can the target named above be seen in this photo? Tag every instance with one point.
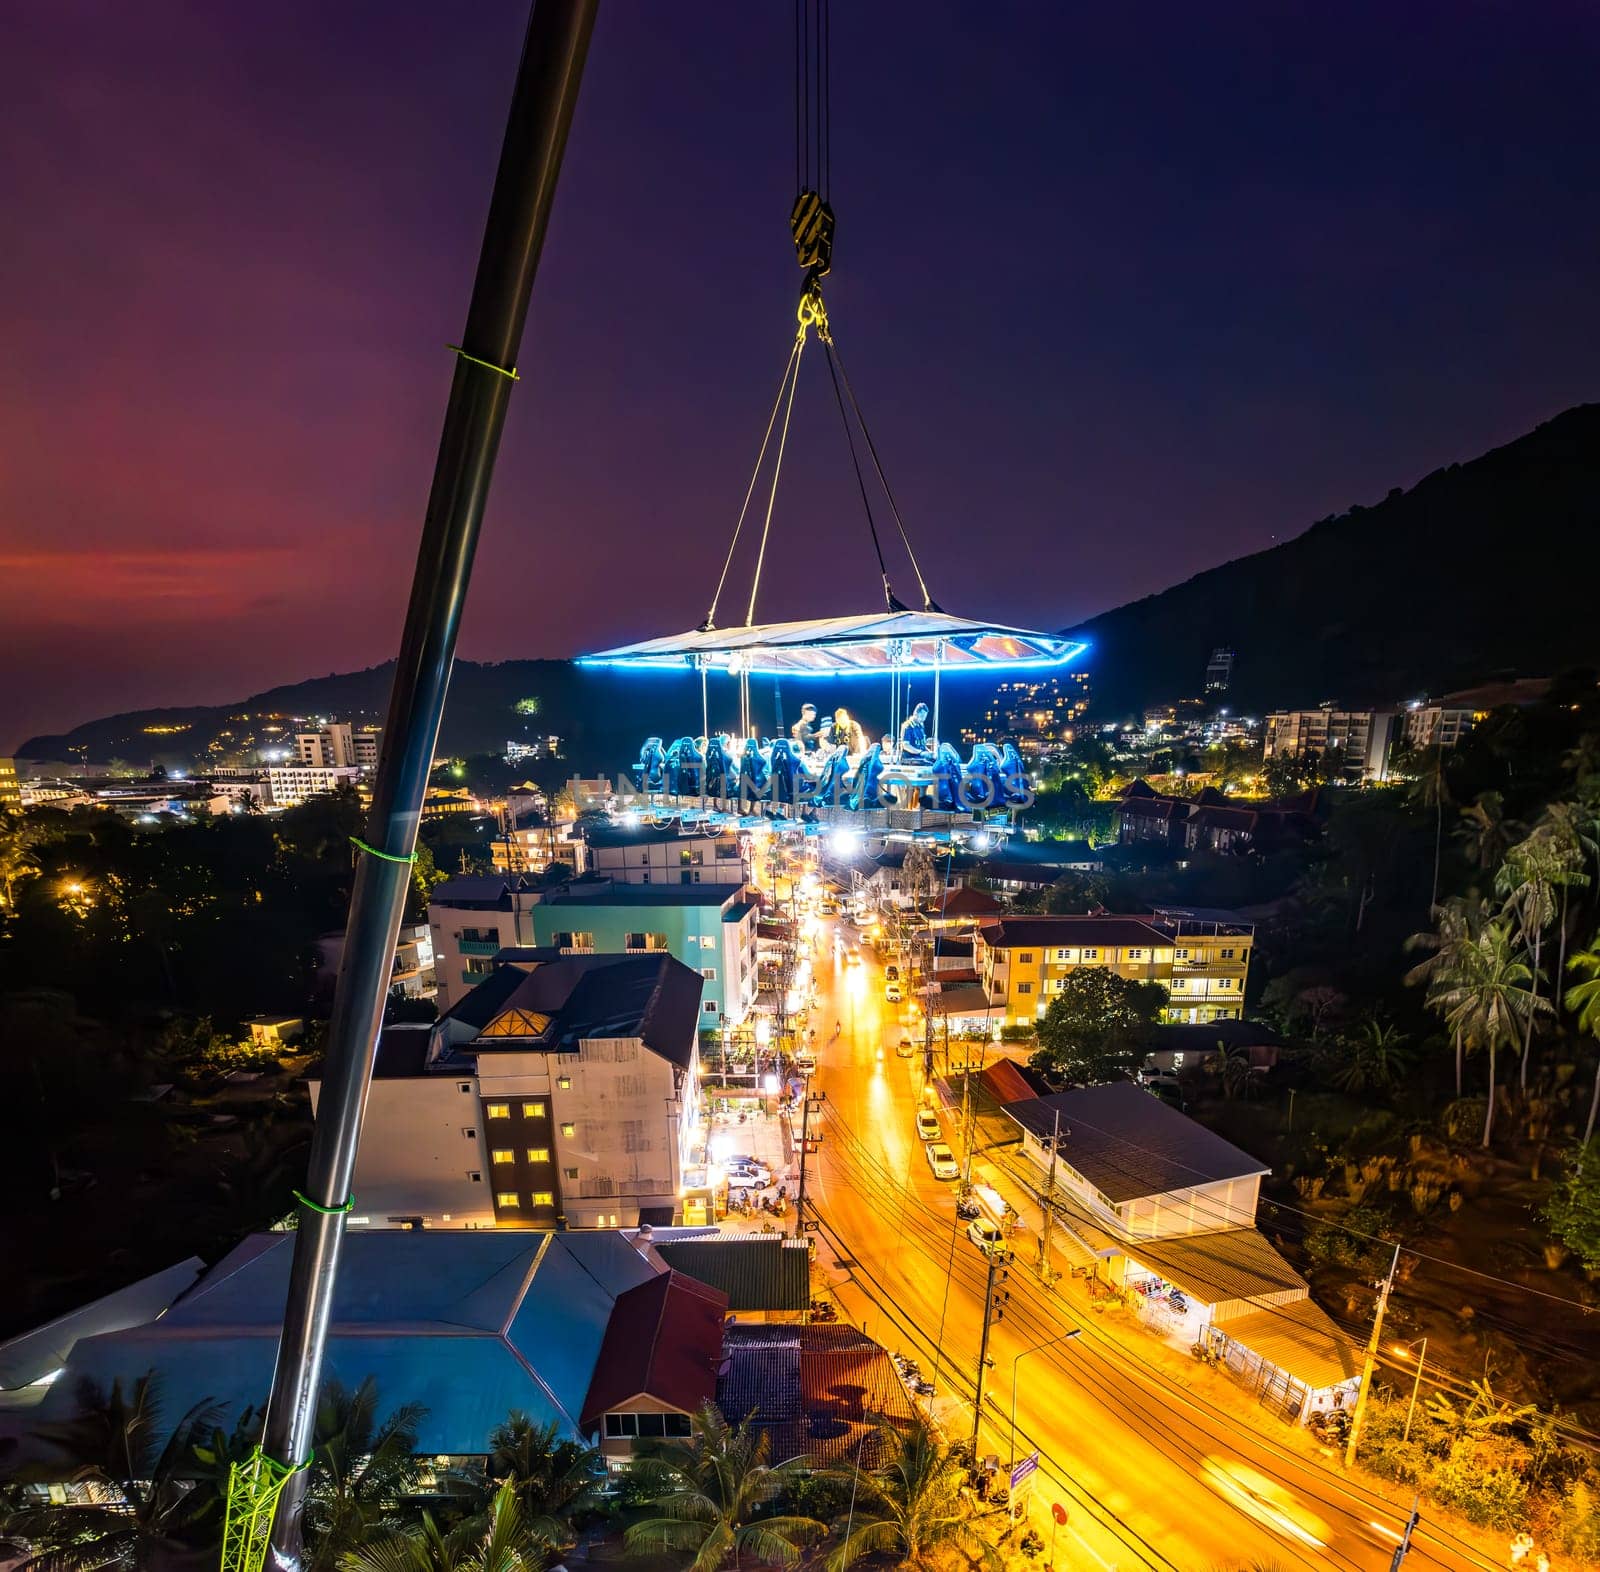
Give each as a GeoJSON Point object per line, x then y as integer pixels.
{"type": "Point", "coordinates": [803, 734]}
{"type": "Point", "coordinates": [886, 749]}
{"type": "Point", "coordinates": [914, 745]}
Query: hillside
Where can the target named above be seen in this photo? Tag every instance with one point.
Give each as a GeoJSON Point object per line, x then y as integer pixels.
{"type": "Point", "coordinates": [1480, 568]}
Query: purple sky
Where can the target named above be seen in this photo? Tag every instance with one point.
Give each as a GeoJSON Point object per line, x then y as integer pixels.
{"type": "Point", "coordinates": [1125, 291]}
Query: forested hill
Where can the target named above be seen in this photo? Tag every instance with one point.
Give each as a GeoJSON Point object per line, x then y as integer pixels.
{"type": "Point", "coordinates": [1481, 568]}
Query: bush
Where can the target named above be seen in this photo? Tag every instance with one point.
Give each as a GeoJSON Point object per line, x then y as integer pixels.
{"type": "Point", "coordinates": [1340, 1242]}
{"type": "Point", "coordinates": [1462, 1120]}
{"type": "Point", "coordinates": [1492, 1494]}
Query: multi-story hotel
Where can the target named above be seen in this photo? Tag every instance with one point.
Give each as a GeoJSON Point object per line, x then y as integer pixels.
{"type": "Point", "coordinates": [1023, 961]}
{"type": "Point", "coordinates": [1362, 738]}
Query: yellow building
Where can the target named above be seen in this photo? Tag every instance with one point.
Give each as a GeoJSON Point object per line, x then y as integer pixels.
{"type": "Point", "coordinates": [1023, 961]}
{"type": "Point", "coordinates": [10, 791]}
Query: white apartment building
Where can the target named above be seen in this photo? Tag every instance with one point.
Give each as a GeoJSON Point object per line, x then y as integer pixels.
{"type": "Point", "coordinates": [471, 920]}
{"type": "Point", "coordinates": [338, 746]}
{"type": "Point", "coordinates": [290, 784]}
{"type": "Point", "coordinates": [564, 1091]}
{"type": "Point", "coordinates": [647, 854]}
{"type": "Point", "coordinates": [1363, 737]}
{"type": "Point", "coordinates": [1437, 725]}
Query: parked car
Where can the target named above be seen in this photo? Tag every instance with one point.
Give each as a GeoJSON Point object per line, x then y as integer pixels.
{"type": "Point", "coordinates": [904, 1049]}
{"type": "Point", "coordinates": [891, 992]}
{"type": "Point", "coordinates": [892, 972]}
{"type": "Point", "coordinates": [927, 1125]}
{"type": "Point", "coordinates": [755, 1176]}
{"type": "Point", "coordinates": [987, 1237]}
{"type": "Point", "coordinates": [741, 1160]}
{"type": "Point", "coordinates": [942, 1160]}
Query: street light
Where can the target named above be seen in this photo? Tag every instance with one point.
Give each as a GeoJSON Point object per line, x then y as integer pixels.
{"type": "Point", "coordinates": [1049, 1342]}
{"type": "Point", "coordinates": [1403, 1351]}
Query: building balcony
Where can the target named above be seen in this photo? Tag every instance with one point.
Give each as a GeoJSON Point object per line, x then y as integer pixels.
{"type": "Point", "coordinates": [482, 947]}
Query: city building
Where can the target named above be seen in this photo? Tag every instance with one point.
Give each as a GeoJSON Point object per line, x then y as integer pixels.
{"type": "Point", "coordinates": [708, 927]}
{"type": "Point", "coordinates": [531, 844]}
{"type": "Point", "coordinates": [532, 748]}
{"type": "Point", "coordinates": [1145, 1196]}
{"type": "Point", "coordinates": [1034, 714]}
{"type": "Point", "coordinates": [1360, 738]}
{"type": "Point", "coordinates": [1203, 964]}
{"type": "Point", "coordinates": [1212, 822]}
{"type": "Point", "coordinates": [1219, 672]}
{"type": "Point", "coordinates": [338, 746]}
{"type": "Point", "coordinates": [562, 1091]}
{"type": "Point", "coordinates": [664, 854]}
{"type": "Point", "coordinates": [1437, 725]}
{"type": "Point", "coordinates": [289, 785]}
{"type": "Point", "coordinates": [446, 802]}
{"type": "Point", "coordinates": [471, 920]}
{"type": "Point", "coordinates": [10, 787]}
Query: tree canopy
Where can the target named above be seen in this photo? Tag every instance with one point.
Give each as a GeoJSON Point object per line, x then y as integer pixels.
{"type": "Point", "coordinates": [1094, 1027]}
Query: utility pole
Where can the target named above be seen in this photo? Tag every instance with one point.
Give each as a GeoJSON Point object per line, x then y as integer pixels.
{"type": "Point", "coordinates": [805, 1146]}
{"type": "Point", "coordinates": [1404, 1547]}
{"type": "Point", "coordinates": [1370, 1360]}
{"type": "Point", "coordinates": [1047, 1222]}
{"type": "Point", "coordinates": [995, 1299]}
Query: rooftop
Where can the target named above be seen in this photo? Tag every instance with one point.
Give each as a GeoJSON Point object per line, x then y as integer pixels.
{"type": "Point", "coordinates": [664, 1340]}
{"type": "Point", "coordinates": [606, 892]}
{"type": "Point", "coordinates": [578, 998]}
{"type": "Point", "coordinates": [1129, 1144]}
{"type": "Point", "coordinates": [1042, 932]}
{"type": "Point", "coordinates": [468, 1324]}
{"type": "Point", "coordinates": [754, 1271]}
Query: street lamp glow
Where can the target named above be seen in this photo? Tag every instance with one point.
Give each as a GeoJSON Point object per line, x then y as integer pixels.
{"type": "Point", "coordinates": [843, 842]}
{"type": "Point", "coordinates": [763, 1031]}
{"type": "Point", "coordinates": [770, 1084]}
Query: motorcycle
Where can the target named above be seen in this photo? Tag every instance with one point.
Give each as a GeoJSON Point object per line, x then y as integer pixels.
{"type": "Point", "coordinates": [967, 1210]}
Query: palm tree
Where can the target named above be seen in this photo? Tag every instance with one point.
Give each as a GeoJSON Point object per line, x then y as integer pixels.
{"type": "Point", "coordinates": [1377, 1058]}
{"type": "Point", "coordinates": [1491, 1005]}
{"type": "Point", "coordinates": [504, 1541]}
{"type": "Point", "coordinates": [1485, 831]}
{"type": "Point", "coordinates": [550, 1476]}
{"type": "Point", "coordinates": [1527, 879]}
{"type": "Point", "coordinates": [1572, 838]}
{"type": "Point", "coordinates": [1583, 999]}
{"type": "Point", "coordinates": [361, 1468]}
{"type": "Point", "coordinates": [1429, 790]}
{"type": "Point", "coordinates": [1454, 944]}
{"type": "Point", "coordinates": [139, 1477]}
{"type": "Point", "coordinates": [709, 1492]}
{"type": "Point", "coordinates": [912, 1506]}
{"type": "Point", "coordinates": [17, 858]}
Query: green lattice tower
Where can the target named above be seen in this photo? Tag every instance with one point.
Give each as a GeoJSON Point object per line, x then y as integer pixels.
{"type": "Point", "coordinates": [253, 1490]}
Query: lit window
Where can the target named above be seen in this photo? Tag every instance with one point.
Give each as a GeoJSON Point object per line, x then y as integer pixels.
{"type": "Point", "coordinates": [569, 1129]}
{"type": "Point", "coordinates": [502, 1154]}
{"type": "Point", "coordinates": [544, 1198]}
{"type": "Point", "coordinates": [533, 1110]}
{"type": "Point", "coordinates": [564, 1083]}
{"type": "Point", "coordinates": [507, 1198]}
{"type": "Point", "coordinates": [538, 1154]}
{"type": "Point", "coordinates": [498, 1110]}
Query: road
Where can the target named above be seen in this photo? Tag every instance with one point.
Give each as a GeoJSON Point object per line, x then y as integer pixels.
{"type": "Point", "coordinates": [1152, 1475]}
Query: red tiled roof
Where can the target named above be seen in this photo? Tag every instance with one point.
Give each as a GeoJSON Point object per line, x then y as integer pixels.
{"type": "Point", "coordinates": [664, 1340]}
{"type": "Point", "coordinates": [1006, 1083]}
{"type": "Point", "coordinates": [966, 902]}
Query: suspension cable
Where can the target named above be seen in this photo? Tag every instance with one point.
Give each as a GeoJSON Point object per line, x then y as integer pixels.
{"type": "Point", "coordinates": [861, 483]}
{"type": "Point", "coordinates": [777, 470]}
{"type": "Point", "coordinates": [791, 368]}
{"type": "Point", "coordinates": [928, 602]}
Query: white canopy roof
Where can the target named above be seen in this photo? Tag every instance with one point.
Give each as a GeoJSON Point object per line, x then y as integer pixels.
{"type": "Point", "coordinates": [843, 646]}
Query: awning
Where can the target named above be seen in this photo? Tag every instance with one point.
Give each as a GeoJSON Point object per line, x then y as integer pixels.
{"type": "Point", "coordinates": [877, 642]}
{"type": "Point", "coordinates": [1299, 1338]}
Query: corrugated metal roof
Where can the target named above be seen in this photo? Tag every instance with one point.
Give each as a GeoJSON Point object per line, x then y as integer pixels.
{"type": "Point", "coordinates": [1069, 931]}
{"type": "Point", "coordinates": [756, 1272]}
{"type": "Point", "coordinates": [1129, 1144]}
{"type": "Point", "coordinates": [876, 641]}
{"type": "Point", "coordinates": [1236, 1264]}
{"type": "Point", "coordinates": [1300, 1338]}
